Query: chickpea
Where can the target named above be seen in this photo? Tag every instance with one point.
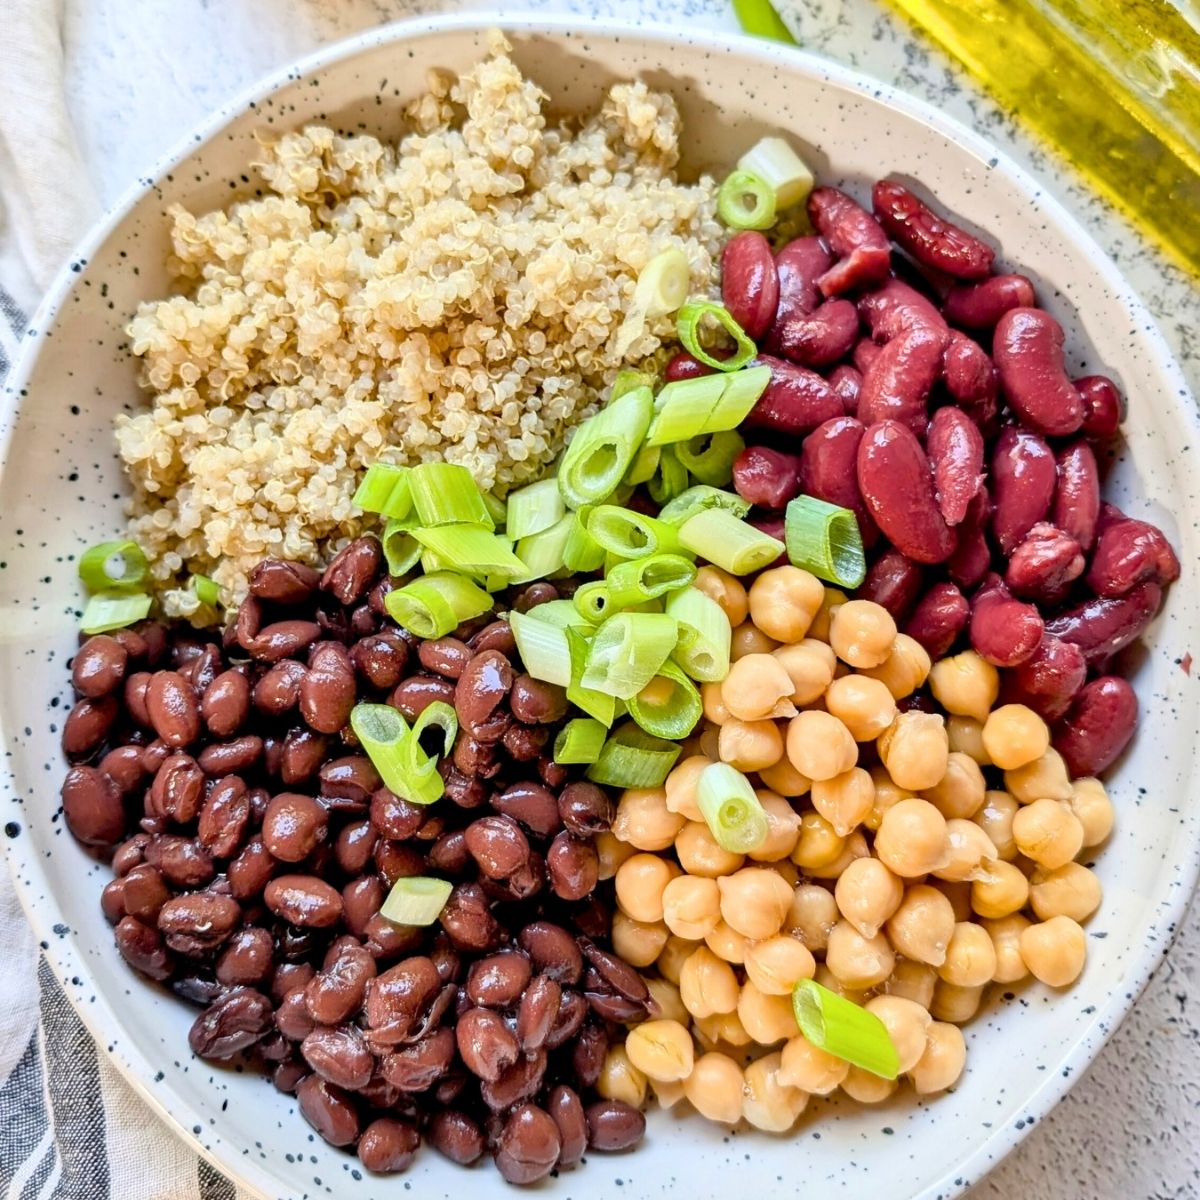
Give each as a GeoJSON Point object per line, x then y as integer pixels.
{"type": "Point", "coordinates": [960, 792]}
{"type": "Point", "coordinates": [749, 639]}
{"type": "Point", "coordinates": [1006, 937]}
{"type": "Point", "coordinates": [726, 943]}
{"type": "Point", "coordinates": [819, 746]}
{"type": "Point", "coordinates": [721, 1029]}
{"type": "Point", "coordinates": [911, 839]}
{"type": "Point", "coordinates": [767, 1103]}
{"type": "Point", "coordinates": [750, 745]}
{"type": "Point", "coordinates": [1067, 891]}
{"type": "Point", "coordinates": [784, 779]}
{"type": "Point", "coordinates": [754, 902]}
{"type": "Point", "coordinates": [727, 590]}
{"type": "Point", "coordinates": [818, 844]}
{"type": "Point", "coordinates": [776, 964]}
{"type": "Point", "coordinates": [691, 906]}
{"type": "Point", "coordinates": [966, 735]}
{"type": "Point", "coordinates": [643, 819]}
{"type": "Point", "coordinates": [819, 629]}
{"type": "Point", "coordinates": [861, 633]}
{"type": "Point", "coordinates": [856, 847]}
{"type": "Point", "coordinates": [862, 704]}
{"type": "Point", "coordinates": [868, 894]}
{"type": "Point", "coordinates": [887, 794]}
{"type": "Point", "coordinates": [1043, 779]}
{"type": "Point", "coordinates": [666, 995]}
{"type": "Point", "coordinates": [1093, 810]}
{"type": "Point", "coordinates": [921, 928]}
{"type": "Point", "coordinates": [715, 1088]}
{"type": "Point", "coordinates": [858, 962]}
{"type": "Point", "coordinates": [970, 957]}
{"type": "Point", "coordinates": [667, 1094]}
{"type": "Point", "coordinates": [827, 979]}
{"type": "Point", "coordinates": [700, 854]}
{"type": "Point", "coordinates": [1048, 832]}
{"type": "Point", "coordinates": [681, 785]}
{"type": "Point", "coordinates": [672, 957]}
{"type": "Point", "coordinates": [1014, 735]}
{"type": "Point", "coordinates": [805, 1066]}
{"type": "Point", "coordinates": [707, 984]}
{"type": "Point", "coordinates": [783, 828]}
{"type": "Point", "coordinates": [955, 1004]}
{"type": "Point", "coordinates": [640, 882]}
{"type": "Point", "coordinates": [913, 981]}
{"type": "Point", "coordinates": [1003, 891]}
{"type": "Point", "coordinates": [783, 602]}
{"type": "Point", "coordinates": [787, 871]}
{"type": "Point", "coordinates": [943, 1061]}
{"type": "Point", "coordinates": [915, 750]}
{"type": "Point", "coordinates": [809, 665]}
{"type": "Point", "coordinates": [637, 942]}
{"type": "Point", "coordinates": [846, 800]}
{"type": "Point", "coordinates": [965, 684]}
{"type": "Point", "coordinates": [620, 1079]}
{"type": "Point", "coordinates": [714, 705]}
{"type": "Point", "coordinates": [756, 688]}
{"type": "Point", "coordinates": [959, 895]}
{"type": "Point", "coordinates": [905, 669]}
{"type": "Point", "coordinates": [661, 1050]}
{"type": "Point", "coordinates": [767, 1018]}
{"type": "Point", "coordinates": [867, 1088]}
{"type": "Point", "coordinates": [611, 853]}
{"type": "Point", "coordinates": [907, 1023]}
{"type": "Point", "coordinates": [995, 818]}
{"type": "Point", "coordinates": [812, 915]}
{"type": "Point", "coordinates": [969, 853]}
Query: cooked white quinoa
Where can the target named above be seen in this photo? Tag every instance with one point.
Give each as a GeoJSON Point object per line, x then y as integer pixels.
{"type": "Point", "coordinates": [454, 296]}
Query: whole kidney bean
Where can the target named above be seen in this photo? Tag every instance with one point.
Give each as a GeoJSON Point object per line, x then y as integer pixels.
{"type": "Point", "coordinates": [532, 805]}
{"type": "Point", "coordinates": [939, 617]}
{"type": "Point", "coordinates": [303, 900]}
{"type": "Point", "coordinates": [339, 1056]}
{"type": "Point", "coordinates": [142, 948]}
{"type": "Point", "coordinates": [99, 666]}
{"type": "Point", "coordinates": [1023, 482]}
{"type": "Point", "coordinates": [88, 724]}
{"type": "Point", "coordinates": [537, 703]}
{"type": "Point", "coordinates": [231, 758]}
{"type": "Point", "coordinates": [798, 265]}
{"type": "Point", "coordinates": [249, 873]}
{"type": "Point", "coordinates": [225, 703]}
{"type": "Point", "coordinates": [1097, 727]}
{"type": "Point", "coordinates": [846, 382]}
{"type": "Point", "coordinates": [585, 808]}
{"type": "Point", "coordinates": [894, 477]}
{"type": "Point", "coordinates": [172, 708]}
{"type": "Point", "coordinates": [1028, 352]}
{"type": "Point", "coordinates": [1044, 566]}
{"type": "Point", "coordinates": [480, 693]}
{"type": "Point", "coordinates": [572, 866]}
{"type": "Point", "coordinates": [224, 817]}
{"type": "Point", "coordinates": [178, 790]}
{"type": "Point", "coordinates": [381, 659]}
{"type": "Point", "coordinates": [485, 1043]}
{"type": "Point", "coordinates": [144, 893]}
{"type": "Point", "coordinates": [468, 920]}
{"type": "Point", "coordinates": [283, 639]}
{"type": "Point", "coordinates": [1102, 626]}
{"type": "Point", "coordinates": [388, 1146]}
{"type": "Point", "coordinates": [352, 570]}
{"type": "Point", "coordinates": [980, 305]}
{"type": "Point", "coordinates": [1048, 680]}
{"type": "Point", "coordinates": [1003, 630]}
{"type": "Point", "coordinates": [449, 854]}
{"type": "Point", "coordinates": [92, 807]}
{"type": "Point", "coordinates": [895, 582]}
{"type": "Point", "coordinates": [455, 1135]}
{"type": "Point", "coordinates": [955, 449]}
{"type": "Point", "coordinates": [566, 1110]}
{"type": "Point", "coordinates": [123, 766]}
{"type": "Point", "coordinates": [895, 309]}
{"type": "Point", "coordinates": [897, 384]}
{"type": "Point", "coordinates": [972, 556]}
{"type": "Point", "coordinates": [930, 239]}
{"type": "Point", "coordinates": [184, 862]}
{"type": "Point", "coordinates": [396, 999]}
{"type": "Point", "coordinates": [112, 900]}
{"type": "Point", "coordinates": [794, 401]}
{"type": "Point", "coordinates": [819, 338]}
{"type": "Point", "coordinates": [537, 1013]}
{"type": "Point", "coordinates": [327, 690]}
{"type": "Point", "coordinates": [362, 899]}
{"type": "Point", "coordinates": [498, 980]}
{"type": "Point", "coordinates": [828, 469]}
{"type": "Point", "coordinates": [1077, 496]}
{"type": "Point", "coordinates": [328, 1109]}
{"type": "Point", "coordinates": [1103, 406]}
{"type": "Point", "coordinates": [750, 282]}
{"type": "Point", "coordinates": [282, 581]}
{"type": "Point", "coordinates": [497, 845]}
{"type": "Point", "coordinates": [971, 380]}
{"type": "Point", "coordinates": [231, 1024]}
{"type": "Point", "coordinates": [614, 1125]}
{"type": "Point", "coordinates": [855, 237]}
{"type": "Point", "coordinates": [294, 826]}
{"type": "Point", "coordinates": [685, 366]}
{"type": "Point", "coordinates": [528, 1146]}
{"type": "Point", "coordinates": [1129, 552]}
{"type": "Point", "coordinates": [769, 478]}
{"type": "Point", "coordinates": [198, 922]}
{"type": "Point", "coordinates": [517, 1084]}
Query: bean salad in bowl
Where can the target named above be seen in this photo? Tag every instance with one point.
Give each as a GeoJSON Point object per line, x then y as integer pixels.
{"type": "Point", "coordinates": [588, 641]}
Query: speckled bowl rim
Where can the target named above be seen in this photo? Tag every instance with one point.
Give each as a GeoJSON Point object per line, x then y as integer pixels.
{"type": "Point", "coordinates": [1170, 902]}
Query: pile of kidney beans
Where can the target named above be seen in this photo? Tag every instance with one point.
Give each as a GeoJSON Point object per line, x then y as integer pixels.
{"type": "Point", "coordinates": [913, 385]}
{"type": "Point", "coordinates": [253, 845]}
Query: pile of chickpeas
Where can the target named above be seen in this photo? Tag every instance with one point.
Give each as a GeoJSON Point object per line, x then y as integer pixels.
{"type": "Point", "coordinates": [892, 873]}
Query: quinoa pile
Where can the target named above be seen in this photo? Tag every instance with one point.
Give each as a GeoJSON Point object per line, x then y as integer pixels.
{"type": "Point", "coordinates": [454, 296]}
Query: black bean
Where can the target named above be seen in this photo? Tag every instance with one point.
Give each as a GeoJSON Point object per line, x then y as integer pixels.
{"type": "Point", "coordinates": [444, 656]}
{"type": "Point", "coordinates": [537, 1013]}
{"type": "Point", "coordinates": [328, 690]}
{"type": "Point", "coordinates": [173, 709]}
{"type": "Point", "coordinates": [99, 666]}
{"type": "Point", "coordinates": [144, 894]}
{"type": "Point", "coordinates": [518, 1084]}
{"type": "Point", "coordinates": [92, 807]}
{"type": "Point", "coordinates": [303, 900]}
{"type": "Point", "coordinates": [336, 992]}
{"type": "Point", "coordinates": [553, 951]}
{"type": "Point", "coordinates": [328, 1109]}
{"type": "Point", "coordinates": [143, 949]}
{"type": "Point", "coordinates": [352, 570]}
{"type": "Point", "coordinates": [614, 1125]}
{"type": "Point", "coordinates": [498, 846]}
{"type": "Point", "coordinates": [485, 1043]}
{"type": "Point", "coordinates": [533, 805]}
{"type": "Point", "coordinates": [340, 1056]}
{"type": "Point", "coordinates": [248, 958]}
{"type": "Point", "coordinates": [124, 767]}
{"type": "Point", "coordinates": [198, 922]}
{"type": "Point", "coordinates": [498, 980]}
{"type": "Point", "coordinates": [481, 690]}
{"type": "Point", "coordinates": [536, 702]}
{"type": "Point", "coordinates": [566, 1110]}
{"type": "Point", "coordinates": [418, 692]}
{"type": "Point", "coordinates": [585, 809]}
{"type": "Point", "coordinates": [278, 690]}
{"type": "Point", "coordinates": [388, 1146]}
{"type": "Point", "coordinates": [456, 1135]}
{"type": "Point", "coordinates": [88, 724]}
{"type": "Point", "coordinates": [281, 581]}
{"type": "Point", "coordinates": [303, 752]}
{"type": "Point", "coordinates": [588, 1052]}
{"type": "Point", "coordinates": [395, 999]}
{"type": "Point", "coordinates": [572, 1012]}
{"type": "Point", "coordinates": [237, 757]}
{"type": "Point", "coordinates": [231, 1024]}
{"type": "Point", "coordinates": [573, 867]}
{"type": "Point", "coordinates": [418, 1066]}
{"type": "Point", "coordinates": [528, 1146]}
{"type": "Point", "coordinates": [381, 659]}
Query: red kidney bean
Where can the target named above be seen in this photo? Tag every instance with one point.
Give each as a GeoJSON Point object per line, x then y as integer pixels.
{"type": "Point", "coordinates": [1023, 482]}
{"type": "Point", "coordinates": [303, 900]}
{"type": "Point", "coordinates": [795, 401]}
{"type": "Point", "coordinates": [1103, 406]}
{"type": "Point", "coordinates": [1102, 626]}
{"type": "Point", "coordinates": [828, 469]}
{"type": "Point", "coordinates": [750, 282]}
{"type": "Point", "coordinates": [327, 690]}
{"type": "Point", "coordinates": [897, 384]}
{"type": "Point", "coordinates": [144, 893]}
{"type": "Point", "coordinates": [856, 238]}
{"type": "Point", "coordinates": [1028, 351]}
{"type": "Point", "coordinates": [799, 265]}
{"type": "Point", "coordinates": [88, 724]}
{"type": "Point", "coordinates": [955, 449]}
{"type": "Point", "coordinates": [283, 639]}
{"type": "Point", "coordinates": [846, 382]}
{"type": "Point", "coordinates": [939, 617]}
{"type": "Point", "coordinates": [929, 238]}
{"type": "Point", "coordinates": [485, 1043]}
{"type": "Point", "coordinates": [142, 948]}
{"type": "Point", "coordinates": [339, 1056]}
{"type": "Point", "coordinates": [352, 570]}
{"type": "Point", "coordinates": [225, 704]}
{"type": "Point", "coordinates": [92, 807]}
{"type": "Point", "coordinates": [819, 338]}
{"type": "Point", "coordinates": [573, 866]}
{"type": "Point", "coordinates": [1129, 552]}
{"type": "Point", "coordinates": [537, 1013]}
{"type": "Point", "coordinates": [124, 767]}
{"type": "Point", "coordinates": [455, 1135]}
{"type": "Point", "coordinates": [198, 922]}
{"type": "Point", "coordinates": [1044, 566]}
{"type": "Point", "coordinates": [768, 478]}
{"type": "Point", "coordinates": [479, 694]}
{"type": "Point", "coordinates": [99, 666]}
{"type": "Point", "coordinates": [614, 1125]}
{"type": "Point", "coordinates": [1097, 726]}
{"type": "Point", "coordinates": [1048, 680]}
{"type": "Point", "coordinates": [247, 959]}
{"type": "Point", "coordinates": [980, 305]}
{"type": "Point", "coordinates": [864, 357]}
{"type": "Point", "coordinates": [1003, 630]}
{"type": "Point", "coordinates": [468, 920]}
{"type": "Point", "coordinates": [537, 703]}
{"type": "Point", "coordinates": [178, 790]}
{"type": "Point", "coordinates": [328, 1109]}
{"type": "Point", "coordinates": [894, 477]}
{"type": "Point", "coordinates": [388, 1146]}
{"type": "Point", "coordinates": [972, 556]}
{"type": "Point", "coordinates": [294, 826]}
{"type": "Point", "coordinates": [896, 308]}
{"type": "Point", "coordinates": [685, 366]}
{"type": "Point", "coordinates": [893, 581]}
{"type": "Point", "coordinates": [528, 1146]}
{"type": "Point", "coordinates": [184, 862]}
{"type": "Point", "coordinates": [224, 817]}
{"type": "Point", "coordinates": [281, 581]}
{"type": "Point", "coordinates": [971, 380]}
{"type": "Point", "coordinates": [1077, 496]}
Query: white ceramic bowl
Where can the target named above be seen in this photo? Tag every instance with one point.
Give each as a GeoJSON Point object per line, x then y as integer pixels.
{"type": "Point", "coordinates": [61, 491]}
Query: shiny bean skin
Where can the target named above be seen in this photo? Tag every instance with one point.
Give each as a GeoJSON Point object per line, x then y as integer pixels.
{"type": "Point", "coordinates": [144, 893]}
{"type": "Point", "coordinates": [303, 900]}
{"type": "Point", "coordinates": [339, 1056]}
{"type": "Point", "coordinates": [971, 380]}
{"type": "Point", "coordinates": [251, 870]}
{"type": "Point", "coordinates": [799, 265]}
{"type": "Point", "coordinates": [327, 690]}
{"type": "Point", "coordinates": [224, 817]}
{"type": "Point", "coordinates": [553, 951]}
{"type": "Point", "coordinates": [846, 381]}
{"type": "Point", "coordinates": [573, 866]}
{"type": "Point", "coordinates": [123, 766]}
{"type": "Point", "coordinates": [795, 401]}
{"type": "Point", "coordinates": [177, 791]}
{"type": "Point", "coordinates": [532, 805]}
{"type": "Point", "coordinates": [893, 581]}
{"type": "Point", "coordinates": [1100, 627]}
{"type": "Point", "coordinates": [486, 1044]}
{"type": "Point", "coordinates": [828, 469]}
{"type": "Point", "coordinates": [1129, 552]}
{"type": "Point", "coordinates": [231, 1024]}
{"type": "Point", "coordinates": [498, 846]}
{"type": "Point", "coordinates": [685, 366]}
{"type": "Point", "coordinates": [819, 338]}
{"type": "Point", "coordinates": [528, 1146]}
{"type": "Point", "coordinates": [183, 861]}
{"type": "Point", "coordinates": [479, 693]}
{"type": "Point", "coordinates": [231, 758]}
{"type": "Point", "coordinates": [293, 827]}
{"type": "Point", "coordinates": [1023, 481]}
{"type": "Point", "coordinates": [225, 704]}
{"type": "Point", "coordinates": [981, 305]}
{"type": "Point", "coordinates": [112, 900]}
{"type": "Point", "coordinates": [537, 1013]}
{"type": "Point", "coordinates": [444, 656]}
{"type": "Point", "coordinates": [614, 1125]}
{"type": "Point", "coordinates": [1077, 496]}
{"type": "Point", "coordinates": [929, 238]}
{"type": "Point", "coordinates": [92, 807]}
{"type": "Point", "coordinates": [972, 557]}
{"type": "Point", "coordinates": [585, 808]}
{"type": "Point", "coordinates": [397, 997]}
{"type": "Point", "coordinates": [381, 659]}
{"type": "Point", "coordinates": [1003, 630]}
{"type": "Point", "coordinates": [566, 1110]}
{"type": "Point", "coordinates": [142, 947]}
{"type": "Point", "coordinates": [278, 690]}
{"type": "Point", "coordinates": [750, 282]}
{"type": "Point", "coordinates": [88, 724]}
{"type": "Point", "coordinates": [1028, 351]}
{"type": "Point", "coordinates": [455, 1135]}
{"type": "Point", "coordinates": [247, 959]}
{"type": "Point", "coordinates": [468, 919]}
{"type": "Point", "coordinates": [865, 354]}
{"type": "Point", "coordinates": [281, 581]}
{"type": "Point", "coordinates": [766, 477]}
{"type": "Point", "coordinates": [938, 619]}
{"type": "Point", "coordinates": [352, 570]}
{"type": "Point", "coordinates": [897, 384]}
{"type": "Point", "coordinates": [136, 687]}
{"type": "Point", "coordinates": [498, 980]}
{"type": "Point", "coordinates": [302, 754]}
{"type": "Point", "coordinates": [1043, 567]}
{"type": "Point", "coordinates": [283, 639]}
{"type": "Point", "coordinates": [328, 1109]}
{"type": "Point", "coordinates": [1103, 406]}
{"type": "Point", "coordinates": [535, 702]}
{"type": "Point", "coordinates": [197, 922]}
{"type": "Point", "coordinates": [388, 1146]}
{"type": "Point", "coordinates": [855, 237]}
{"type": "Point", "coordinates": [99, 666]}
{"type": "Point", "coordinates": [1097, 726]}
{"type": "Point", "coordinates": [336, 992]}
{"type": "Point", "coordinates": [896, 309]}
{"type": "Point", "coordinates": [955, 448]}
{"type": "Point", "coordinates": [1048, 680]}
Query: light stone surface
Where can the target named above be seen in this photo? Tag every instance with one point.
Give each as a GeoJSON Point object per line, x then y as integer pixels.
{"type": "Point", "coordinates": [141, 73]}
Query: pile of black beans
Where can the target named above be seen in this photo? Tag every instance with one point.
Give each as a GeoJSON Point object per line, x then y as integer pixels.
{"type": "Point", "coordinates": [253, 843]}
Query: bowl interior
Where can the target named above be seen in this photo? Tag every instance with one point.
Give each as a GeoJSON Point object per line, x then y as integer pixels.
{"type": "Point", "coordinates": [62, 488]}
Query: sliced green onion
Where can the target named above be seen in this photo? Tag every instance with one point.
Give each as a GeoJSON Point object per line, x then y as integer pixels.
{"type": "Point", "coordinates": [629, 380]}
{"type": "Point", "coordinates": [447, 494]}
{"type": "Point", "coordinates": [113, 567]}
{"type": "Point", "coordinates": [688, 326]}
{"type": "Point", "coordinates": [472, 548]}
{"type": "Point", "coordinates": [582, 552]}
{"type": "Point", "coordinates": [542, 553]}
{"type": "Point", "coordinates": [533, 509]}
{"type": "Point", "coordinates": [628, 534]}
{"type": "Point", "coordinates": [593, 602]}
{"type": "Point", "coordinates": [746, 202]}
{"type": "Point", "coordinates": [705, 635]}
{"type": "Point", "coordinates": [760, 18]}
{"type": "Point", "coordinates": [596, 704]}
{"type": "Point", "coordinates": [710, 458]}
{"type": "Point", "coordinates": [730, 809]}
{"type": "Point", "coordinates": [698, 499]}
{"type": "Point", "coordinates": [382, 732]}
{"type": "Point", "coordinates": [662, 286]}
{"type": "Point", "coordinates": [579, 741]}
{"type": "Point", "coordinates": [496, 508]}
{"type": "Point", "coordinates": [542, 646]}
{"type": "Point", "coordinates": [627, 651]}
{"type": "Point", "coordinates": [386, 490]}
{"type": "Point", "coordinates": [559, 613]}
{"type": "Point", "coordinates": [844, 1029]}
{"type": "Point", "coordinates": [731, 544]}
{"type": "Point", "coordinates": [669, 706]}
{"type": "Point", "coordinates": [644, 578]}
{"type": "Point", "coordinates": [595, 462]}
{"type": "Point", "coordinates": [825, 539]}
{"type": "Point", "coordinates": [435, 605]}
{"type": "Point", "coordinates": [438, 715]}
{"type": "Point", "coordinates": [206, 590]}
{"type": "Point", "coordinates": [775, 162]}
{"type": "Point", "coordinates": [687, 408]}
{"type": "Point", "coordinates": [644, 464]}
{"type": "Point", "coordinates": [113, 610]}
{"type": "Point", "coordinates": [400, 548]}
{"type": "Point", "coordinates": [632, 758]}
{"type": "Point", "coordinates": [671, 478]}
{"type": "Point", "coordinates": [416, 900]}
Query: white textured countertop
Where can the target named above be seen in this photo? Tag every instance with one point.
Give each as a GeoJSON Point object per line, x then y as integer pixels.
{"type": "Point", "coordinates": [142, 72]}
